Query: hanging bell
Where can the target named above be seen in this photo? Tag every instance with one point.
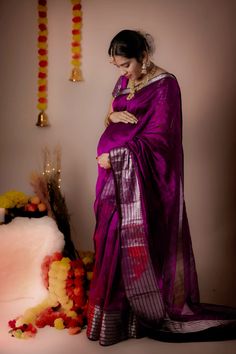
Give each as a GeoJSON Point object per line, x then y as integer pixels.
{"type": "Point", "coordinates": [42, 120]}
{"type": "Point", "coordinates": [76, 75]}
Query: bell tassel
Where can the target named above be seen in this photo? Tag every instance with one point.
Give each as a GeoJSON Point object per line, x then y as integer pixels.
{"type": "Point", "coordinates": [76, 75]}
{"type": "Point", "coordinates": [42, 120]}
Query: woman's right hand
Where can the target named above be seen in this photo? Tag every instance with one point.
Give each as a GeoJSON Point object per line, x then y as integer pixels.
{"type": "Point", "coordinates": [122, 117]}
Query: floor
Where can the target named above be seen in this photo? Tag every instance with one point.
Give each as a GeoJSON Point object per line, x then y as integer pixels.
{"type": "Point", "coordinates": [52, 341]}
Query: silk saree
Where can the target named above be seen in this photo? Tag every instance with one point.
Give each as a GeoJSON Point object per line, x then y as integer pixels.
{"type": "Point", "coordinates": [145, 280]}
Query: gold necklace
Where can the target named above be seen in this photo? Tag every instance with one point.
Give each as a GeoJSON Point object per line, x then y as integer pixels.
{"type": "Point", "coordinates": [134, 88]}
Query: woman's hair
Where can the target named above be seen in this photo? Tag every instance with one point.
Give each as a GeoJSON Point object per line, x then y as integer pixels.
{"type": "Point", "coordinates": [131, 44]}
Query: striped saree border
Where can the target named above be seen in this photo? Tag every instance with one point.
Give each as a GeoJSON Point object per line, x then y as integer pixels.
{"type": "Point", "coordinates": [193, 325]}
{"type": "Point", "coordinates": [110, 327]}
{"type": "Point", "coordinates": [119, 91]}
{"type": "Point", "coordinates": [139, 277]}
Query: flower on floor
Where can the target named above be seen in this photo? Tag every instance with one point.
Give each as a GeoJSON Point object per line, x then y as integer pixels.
{"type": "Point", "coordinates": [24, 331]}
{"type": "Point", "coordinates": [66, 304]}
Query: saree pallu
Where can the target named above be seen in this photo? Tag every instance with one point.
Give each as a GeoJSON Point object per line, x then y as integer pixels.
{"type": "Point", "coordinates": [145, 280]}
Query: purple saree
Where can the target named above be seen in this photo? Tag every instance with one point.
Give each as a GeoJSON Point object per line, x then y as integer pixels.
{"type": "Point", "coordinates": [145, 281]}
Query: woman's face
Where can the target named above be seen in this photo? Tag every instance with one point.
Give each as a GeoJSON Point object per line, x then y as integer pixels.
{"type": "Point", "coordinates": [130, 68]}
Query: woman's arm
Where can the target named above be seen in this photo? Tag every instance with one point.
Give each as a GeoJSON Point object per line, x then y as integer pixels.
{"type": "Point", "coordinates": [110, 110]}
{"type": "Point", "coordinates": [119, 117]}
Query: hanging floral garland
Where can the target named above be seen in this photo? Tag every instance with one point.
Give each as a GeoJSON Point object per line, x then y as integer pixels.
{"type": "Point", "coordinates": [42, 62]}
{"type": "Point", "coordinates": [76, 74]}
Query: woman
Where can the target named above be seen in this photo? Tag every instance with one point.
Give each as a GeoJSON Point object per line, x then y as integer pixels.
{"type": "Point", "coordinates": [145, 281]}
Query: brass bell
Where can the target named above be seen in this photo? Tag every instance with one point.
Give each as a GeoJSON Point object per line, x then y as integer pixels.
{"type": "Point", "coordinates": [42, 120]}
{"type": "Point", "coordinates": [76, 75]}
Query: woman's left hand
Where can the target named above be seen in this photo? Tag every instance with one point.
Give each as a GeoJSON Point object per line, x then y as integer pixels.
{"type": "Point", "coordinates": [104, 161]}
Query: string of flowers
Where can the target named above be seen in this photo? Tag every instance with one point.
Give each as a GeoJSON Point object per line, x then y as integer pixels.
{"type": "Point", "coordinates": [65, 306]}
{"type": "Point", "coordinates": [76, 74]}
{"type": "Point", "coordinates": [42, 62]}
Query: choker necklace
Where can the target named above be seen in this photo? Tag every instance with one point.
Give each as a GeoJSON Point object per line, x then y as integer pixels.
{"type": "Point", "coordinates": [134, 88]}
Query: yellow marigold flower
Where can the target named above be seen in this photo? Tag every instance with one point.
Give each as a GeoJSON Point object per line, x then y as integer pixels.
{"type": "Point", "coordinates": [43, 33]}
{"type": "Point", "coordinates": [58, 323]}
{"type": "Point", "coordinates": [67, 306]}
{"type": "Point", "coordinates": [71, 314]}
{"type": "Point", "coordinates": [77, 13]}
{"type": "Point", "coordinates": [75, 62]}
{"type": "Point", "coordinates": [5, 202]}
{"type": "Point", "coordinates": [18, 333]}
{"type": "Point", "coordinates": [43, 20]}
{"type": "Point", "coordinates": [76, 37]}
{"type": "Point", "coordinates": [75, 50]}
{"type": "Point", "coordinates": [42, 106]}
{"type": "Point", "coordinates": [12, 199]}
{"type": "Point", "coordinates": [42, 94]}
{"type": "Point", "coordinates": [42, 7]}
{"type": "Point", "coordinates": [76, 25]}
{"type": "Point", "coordinates": [42, 45]}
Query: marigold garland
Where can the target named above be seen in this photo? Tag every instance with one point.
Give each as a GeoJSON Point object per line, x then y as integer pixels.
{"type": "Point", "coordinates": [42, 57]}
{"type": "Point", "coordinates": [76, 74]}
{"type": "Point", "coordinates": [66, 304]}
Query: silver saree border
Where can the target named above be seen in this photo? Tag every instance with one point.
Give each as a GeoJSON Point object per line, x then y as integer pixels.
{"type": "Point", "coordinates": [141, 287]}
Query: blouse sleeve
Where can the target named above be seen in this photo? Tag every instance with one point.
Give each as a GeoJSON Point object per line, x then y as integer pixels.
{"type": "Point", "coordinates": [118, 86]}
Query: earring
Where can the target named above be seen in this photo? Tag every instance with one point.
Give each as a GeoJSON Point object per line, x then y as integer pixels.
{"type": "Point", "coordinates": [144, 68]}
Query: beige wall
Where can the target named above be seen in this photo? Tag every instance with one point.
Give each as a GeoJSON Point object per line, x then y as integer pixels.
{"type": "Point", "coordinates": [196, 41]}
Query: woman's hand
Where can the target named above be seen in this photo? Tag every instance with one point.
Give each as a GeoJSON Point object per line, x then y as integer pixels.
{"type": "Point", "coordinates": [104, 161]}
{"type": "Point", "coordinates": [123, 117]}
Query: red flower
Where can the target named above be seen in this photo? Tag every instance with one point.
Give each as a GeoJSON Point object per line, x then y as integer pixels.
{"type": "Point", "coordinates": [42, 51]}
{"type": "Point", "coordinates": [75, 31]}
{"type": "Point", "coordinates": [42, 88]}
{"type": "Point", "coordinates": [42, 39]}
{"type": "Point", "coordinates": [42, 75]}
{"type": "Point", "coordinates": [43, 63]}
{"type": "Point", "coordinates": [79, 272]}
{"type": "Point", "coordinates": [42, 2]}
{"type": "Point", "coordinates": [75, 44]}
{"type": "Point", "coordinates": [76, 19]}
{"type": "Point", "coordinates": [77, 7]}
{"type": "Point", "coordinates": [12, 324]}
{"type": "Point", "coordinates": [76, 56]}
{"type": "Point", "coordinates": [42, 14]}
{"type": "Point", "coordinates": [42, 100]}
{"type": "Point", "coordinates": [42, 27]}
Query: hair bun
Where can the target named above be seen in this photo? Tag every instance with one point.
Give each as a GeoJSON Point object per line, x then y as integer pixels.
{"type": "Point", "coordinates": [149, 41]}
